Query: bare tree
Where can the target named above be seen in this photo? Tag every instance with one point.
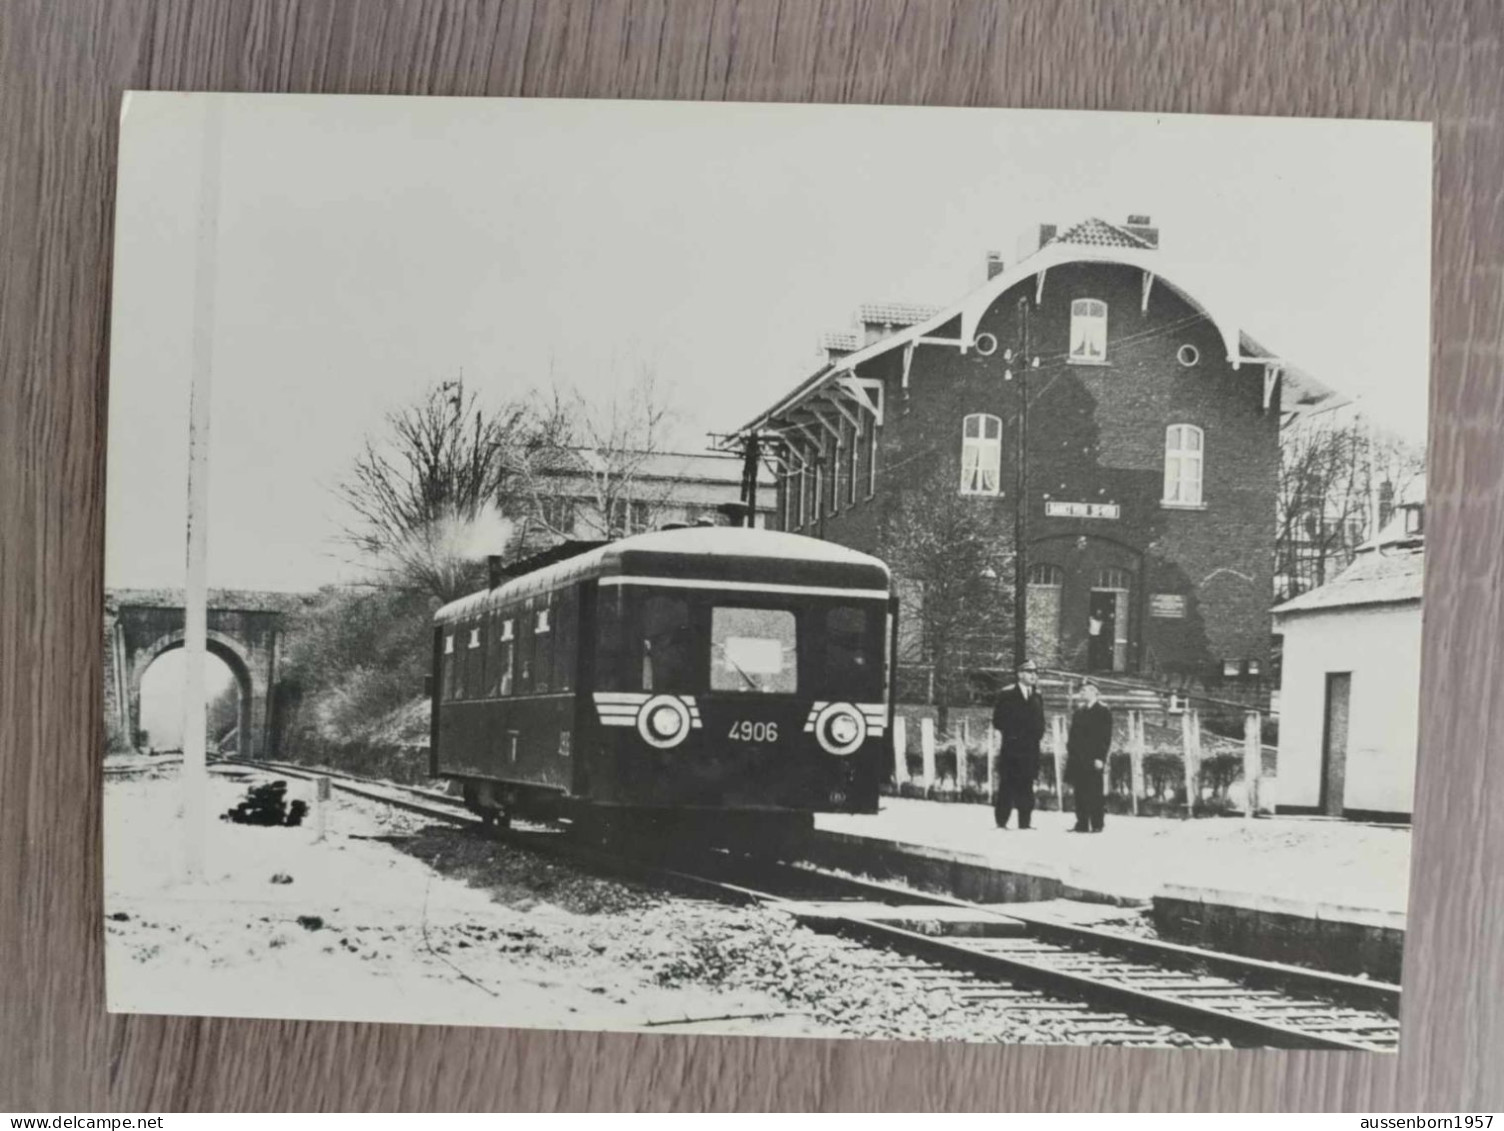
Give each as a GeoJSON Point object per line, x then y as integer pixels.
{"type": "Point", "coordinates": [428, 495]}
{"type": "Point", "coordinates": [597, 482]}
{"type": "Point", "coordinates": [1334, 474]}
{"type": "Point", "coordinates": [952, 556]}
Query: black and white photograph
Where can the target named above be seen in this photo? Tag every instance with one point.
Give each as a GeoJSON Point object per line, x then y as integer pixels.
{"type": "Point", "coordinates": [765, 570]}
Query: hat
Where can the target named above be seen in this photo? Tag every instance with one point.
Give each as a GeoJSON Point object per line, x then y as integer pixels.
{"type": "Point", "coordinates": [1089, 682]}
{"type": "Point", "coordinates": [1028, 666]}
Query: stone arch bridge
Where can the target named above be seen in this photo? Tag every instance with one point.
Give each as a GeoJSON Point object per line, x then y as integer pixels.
{"type": "Point", "coordinates": [245, 630]}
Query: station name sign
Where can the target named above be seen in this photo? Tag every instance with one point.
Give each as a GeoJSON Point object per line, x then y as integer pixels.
{"type": "Point", "coordinates": [1081, 510]}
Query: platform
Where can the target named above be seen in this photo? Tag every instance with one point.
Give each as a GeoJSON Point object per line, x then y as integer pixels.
{"type": "Point", "coordinates": [1314, 890]}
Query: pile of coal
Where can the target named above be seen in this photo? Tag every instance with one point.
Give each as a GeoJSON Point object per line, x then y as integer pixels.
{"type": "Point", "coordinates": [267, 805]}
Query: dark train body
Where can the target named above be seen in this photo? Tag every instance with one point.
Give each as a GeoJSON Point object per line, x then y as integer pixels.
{"type": "Point", "coordinates": [736, 676]}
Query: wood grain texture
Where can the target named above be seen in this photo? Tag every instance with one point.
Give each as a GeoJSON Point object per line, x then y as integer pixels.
{"type": "Point", "coordinates": [65, 64]}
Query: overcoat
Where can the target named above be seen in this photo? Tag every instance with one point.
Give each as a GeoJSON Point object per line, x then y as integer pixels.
{"type": "Point", "coordinates": [1089, 741]}
{"type": "Point", "coordinates": [1020, 721]}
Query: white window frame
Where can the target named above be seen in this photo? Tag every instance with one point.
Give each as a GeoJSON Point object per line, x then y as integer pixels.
{"type": "Point", "coordinates": [1088, 327]}
{"type": "Point", "coordinates": [981, 455]}
{"type": "Point", "coordinates": [1185, 467]}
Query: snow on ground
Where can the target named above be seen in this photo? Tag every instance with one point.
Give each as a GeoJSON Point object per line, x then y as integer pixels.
{"type": "Point", "coordinates": [392, 918]}
{"type": "Point", "coordinates": [1345, 863]}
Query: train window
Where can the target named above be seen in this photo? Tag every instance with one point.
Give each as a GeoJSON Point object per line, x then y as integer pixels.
{"type": "Point", "coordinates": [564, 642]}
{"type": "Point", "coordinates": [475, 666]}
{"type": "Point", "coordinates": [499, 662]}
{"type": "Point", "coordinates": [667, 644]}
{"type": "Point", "coordinates": [851, 660]}
{"type": "Point", "coordinates": [753, 650]}
{"type": "Point", "coordinates": [523, 668]}
{"type": "Point", "coordinates": [543, 652]}
{"type": "Point", "coordinates": [610, 635]}
{"type": "Point", "coordinates": [449, 669]}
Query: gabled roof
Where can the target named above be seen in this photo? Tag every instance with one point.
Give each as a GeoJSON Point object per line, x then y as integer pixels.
{"type": "Point", "coordinates": [1376, 577]}
{"type": "Point", "coordinates": [1096, 232]}
{"type": "Point", "coordinates": [1298, 392]}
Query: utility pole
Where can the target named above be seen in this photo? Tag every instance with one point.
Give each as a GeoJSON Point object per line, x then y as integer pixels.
{"type": "Point", "coordinates": [1020, 493]}
{"type": "Point", "coordinates": [195, 774]}
{"type": "Point", "coordinates": [752, 454]}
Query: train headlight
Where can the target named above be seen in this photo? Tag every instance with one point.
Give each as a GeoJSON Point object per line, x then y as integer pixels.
{"type": "Point", "coordinates": [663, 721]}
{"type": "Point", "coordinates": [840, 728]}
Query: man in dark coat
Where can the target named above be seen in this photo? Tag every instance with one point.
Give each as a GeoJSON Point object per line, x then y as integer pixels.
{"type": "Point", "coordinates": [1085, 754]}
{"type": "Point", "coordinates": [1018, 718]}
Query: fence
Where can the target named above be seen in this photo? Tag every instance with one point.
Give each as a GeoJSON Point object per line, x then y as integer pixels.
{"type": "Point", "coordinates": [1163, 762]}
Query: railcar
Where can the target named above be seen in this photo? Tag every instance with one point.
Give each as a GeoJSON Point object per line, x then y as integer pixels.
{"type": "Point", "coordinates": [729, 679]}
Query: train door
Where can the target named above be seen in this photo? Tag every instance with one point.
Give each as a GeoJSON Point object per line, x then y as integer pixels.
{"type": "Point", "coordinates": [584, 688]}
{"type": "Point", "coordinates": [432, 684]}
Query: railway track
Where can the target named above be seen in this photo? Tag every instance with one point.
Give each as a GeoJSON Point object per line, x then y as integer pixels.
{"type": "Point", "coordinates": [1111, 984]}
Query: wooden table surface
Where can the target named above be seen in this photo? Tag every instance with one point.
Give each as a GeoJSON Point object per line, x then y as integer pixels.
{"type": "Point", "coordinates": [65, 64]}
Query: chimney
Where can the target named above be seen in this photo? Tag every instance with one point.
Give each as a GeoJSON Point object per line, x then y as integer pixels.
{"type": "Point", "coordinates": [493, 571]}
{"type": "Point", "coordinates": [994, 264]}
{"type": "Point", "coordinates": [1034, 237]}
{"type": "Point", "coordinates": [1143, 228]}
{"type": "Point", "coordinates": [1386, 503]}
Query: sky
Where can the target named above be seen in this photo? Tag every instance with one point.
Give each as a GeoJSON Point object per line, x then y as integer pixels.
{"type": "Point", "coordinates": [363, 248]}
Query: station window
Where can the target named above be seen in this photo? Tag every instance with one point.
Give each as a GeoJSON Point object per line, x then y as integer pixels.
{"type": "Point", "coordinates": [856, 445]}
{"type": "Point", "coordinates": [1088, 331]}
{"type": "Point", "coordinates": [981, 454]}
{"type": "Point", "coordinates": [1184, 456]}
{"type": "Point", "coordinates": [558, 514]}
{"type": "Point", "coordinates": [837, 470]}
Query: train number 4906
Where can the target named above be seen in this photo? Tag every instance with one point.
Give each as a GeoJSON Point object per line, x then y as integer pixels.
{"type": "Point", "coordinates": [747, 731]}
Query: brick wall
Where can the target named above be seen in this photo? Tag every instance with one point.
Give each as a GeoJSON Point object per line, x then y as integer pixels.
{"type": "Point", "coordinates": [1097, 435]}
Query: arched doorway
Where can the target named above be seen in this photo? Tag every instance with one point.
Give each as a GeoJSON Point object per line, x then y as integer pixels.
{"type": "Point", "coordinates": [1084, 593]}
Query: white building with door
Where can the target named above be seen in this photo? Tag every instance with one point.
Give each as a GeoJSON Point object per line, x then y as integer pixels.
{"type": "Point", "coordinates": [1350, 680]}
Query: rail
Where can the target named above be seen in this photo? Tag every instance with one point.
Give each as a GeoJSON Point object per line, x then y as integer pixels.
{"type": "Point", "coordinates": [998, 953]}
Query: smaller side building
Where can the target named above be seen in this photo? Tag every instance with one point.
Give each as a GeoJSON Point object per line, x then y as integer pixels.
{"type": "Point", "coordinates": [583, 493]}
{"type": "Point", "coordinates": [1350, 682]}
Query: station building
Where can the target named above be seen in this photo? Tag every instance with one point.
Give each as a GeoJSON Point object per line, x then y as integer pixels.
{"type": "Point", "coordinates": [1151, 451]}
